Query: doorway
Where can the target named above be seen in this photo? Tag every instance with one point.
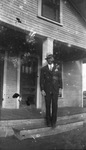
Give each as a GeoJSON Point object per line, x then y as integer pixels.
{"type": "Point", "coordinates": [28, 80]}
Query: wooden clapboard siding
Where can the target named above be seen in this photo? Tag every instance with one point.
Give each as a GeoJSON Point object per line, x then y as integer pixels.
{"type": "Point", "coordinates": [75, 26]}
{"type": "Point", "coordinates": [73, 30]}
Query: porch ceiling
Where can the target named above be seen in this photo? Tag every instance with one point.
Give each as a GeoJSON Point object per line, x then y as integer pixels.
{"type": "Point", "coordinates": [65, 52]}
{"type": "Point", "coordinates": [15, 41]}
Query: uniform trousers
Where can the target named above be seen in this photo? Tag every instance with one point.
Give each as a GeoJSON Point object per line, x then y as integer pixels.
{"type": "Point", "coordinates": [51, 102]}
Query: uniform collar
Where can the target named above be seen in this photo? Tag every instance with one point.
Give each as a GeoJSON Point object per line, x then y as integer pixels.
{"type": "Point", "coordinates": [50, 65]}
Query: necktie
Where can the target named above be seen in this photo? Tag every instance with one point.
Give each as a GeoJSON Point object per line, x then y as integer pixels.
{"type": "Point", "coordinates": [51, 67]}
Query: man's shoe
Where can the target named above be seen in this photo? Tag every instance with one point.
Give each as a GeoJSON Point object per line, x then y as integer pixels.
{"type": "Point", "coordinates": [48, 124]}
{"type": "Point", "coordinates": [53, 125]}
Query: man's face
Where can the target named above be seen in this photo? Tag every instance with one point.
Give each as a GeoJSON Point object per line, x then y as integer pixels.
{"type": "Point", "coordinates": [50, 60]}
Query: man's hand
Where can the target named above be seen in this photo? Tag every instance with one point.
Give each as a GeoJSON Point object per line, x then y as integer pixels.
{"type": "Point", "coordinates": [43, 93]}
{"type": "Point", "coordinates": [60, 91]}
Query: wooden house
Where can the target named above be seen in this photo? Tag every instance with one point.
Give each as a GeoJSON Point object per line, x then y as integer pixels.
{"type": "Point", "coordinates": [29, 29]}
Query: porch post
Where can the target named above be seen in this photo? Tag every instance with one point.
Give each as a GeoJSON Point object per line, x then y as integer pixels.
{"type": "Point", "coordinates": [18, 79]}
{"type": "Point", "coordinates": [38, 85]}
{"type": "Point", "coordinates": [4, 80]}
{"type": "Point", "coordinates": [47, 48]}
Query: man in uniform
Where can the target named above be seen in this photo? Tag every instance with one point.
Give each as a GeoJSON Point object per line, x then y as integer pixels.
{"type": "Point", "coordinates": [50, 82]}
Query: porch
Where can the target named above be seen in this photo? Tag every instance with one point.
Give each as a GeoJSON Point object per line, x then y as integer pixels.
{"type": "Point", "coordinates": [21, 68]}
{"type": "Point", "coordinates": [28, 122]}
{"type": "Point", "coordinates": [28, 112]}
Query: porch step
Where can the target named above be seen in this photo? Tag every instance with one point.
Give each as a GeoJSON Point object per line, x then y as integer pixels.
{"type": "Point", "coordinates": [36, 133]}
{"type": "Point", "coordinates": [38, 129]}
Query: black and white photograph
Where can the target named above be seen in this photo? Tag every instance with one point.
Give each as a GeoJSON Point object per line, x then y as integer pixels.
{"type": "Point", "coordinates": [42, 74]}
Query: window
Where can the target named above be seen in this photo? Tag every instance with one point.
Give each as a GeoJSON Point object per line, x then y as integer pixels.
{"type": "Point", "coordinates": [50, 10]}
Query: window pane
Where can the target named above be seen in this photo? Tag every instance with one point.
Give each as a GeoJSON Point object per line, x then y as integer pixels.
{"type": "Point", "coordinates": [49, 13]}
{"type": "Point", "coordinates": [51, 9]}
{"type": "Point", "coordinates": [58, 15]}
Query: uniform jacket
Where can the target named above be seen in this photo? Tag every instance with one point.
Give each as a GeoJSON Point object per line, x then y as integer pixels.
{"type": "Point", "coordinates": [50, 81]}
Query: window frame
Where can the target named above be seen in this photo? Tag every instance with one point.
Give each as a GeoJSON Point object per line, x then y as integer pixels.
{"type": "Point", "coordinates": [47, 19]}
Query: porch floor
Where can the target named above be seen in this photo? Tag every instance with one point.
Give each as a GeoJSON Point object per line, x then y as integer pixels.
{"type": "Point", "coordinates": [28, 112]}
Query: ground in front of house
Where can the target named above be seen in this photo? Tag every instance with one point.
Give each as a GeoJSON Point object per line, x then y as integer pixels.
{"type": "Point", "coordinates": [75, 139]}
